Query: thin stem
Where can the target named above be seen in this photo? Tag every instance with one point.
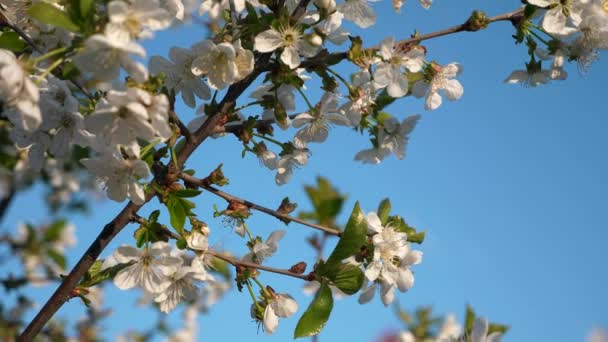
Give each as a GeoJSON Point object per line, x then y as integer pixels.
{"type": "Point", "coordinates": [247, 105]}
{"type": "Point", "coordinates": [247, 230]}
{"type": "Point", "coordinates": [49, 54]}
{"type": "Point", "coordinates": [539, 37]}
{"type": "Point", "coordinates": [230, 198]}
{"type": "Point", "coordinates": [262, 287]}
{"type": "Point", "coordinates": [267, 138]}
{"type": "Point", "coordinates": [339, 77]}
{"type": "Point", "coordinates": [255, 300]}
{"type": "Point", "coordinates": [310, 107]}
{"type": "Point", "coordinates": [236, 262]}
{"type": "Point", "coordinates": [50, 69]}
{"type": "Point", "coordinates": [33, 45]}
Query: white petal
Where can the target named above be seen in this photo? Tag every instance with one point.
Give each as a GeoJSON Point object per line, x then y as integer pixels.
{"type": "Point", "coordinates": [271, 321]}
{"type": "Point", "coordinates": [268, 41]}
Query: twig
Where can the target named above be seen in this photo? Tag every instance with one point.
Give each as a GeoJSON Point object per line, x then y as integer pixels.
{"type": "Point", "coordinates": [513, 17]}
{"type": "Point", "coordinates": [62, 293]}
{"type": "Point", "coordinates": [236, 262]}
{"type": "Point", "coordinates": [33, 45]}
{"type": "Point", "coordinates": [182, 128]}
{"type": "Point", "coordinates": [230, 198]}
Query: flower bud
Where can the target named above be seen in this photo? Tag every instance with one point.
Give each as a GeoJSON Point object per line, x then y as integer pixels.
{"type": "Point", "coordinates": [314, 39]}
{"type": "Point", "coordinates": [328, 5]}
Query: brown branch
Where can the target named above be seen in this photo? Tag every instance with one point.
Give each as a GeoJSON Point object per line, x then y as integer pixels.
{"type": "Point", "coordinates": [62, 293]}
{"type": "Point", "coordinates": [235, 262]}
{"type": "Point", "coordinates": [230, 198]}
{"type": "Point", "coordinates": [110, 230]}
{"type": "Point", "coordinates": [514, 17]}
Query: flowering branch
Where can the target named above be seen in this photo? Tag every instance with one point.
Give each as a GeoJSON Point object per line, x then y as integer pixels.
{"type": "Point", "coordinates": [238, 263]}
{"type": "Point", "coordinates": [110, 230]}
{"type": "Point", "coordinates": [514, 17]}
{"type": "Point", "coordinates": [5, 21]}
{"type": "Point", "coordinates": [230, 198]}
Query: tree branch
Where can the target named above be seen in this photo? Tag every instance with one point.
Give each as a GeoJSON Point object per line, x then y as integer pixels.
{"type": "Point", "coordinates": [513, 17]}
{"type": "Point", "coordinates": [230, 198]}
{"type": "Point", "coordinates": [62, 293]}
{"type": "Point", "coordinates": [110, 230]}
{"type": "Point", "coordinates": [235, 262]}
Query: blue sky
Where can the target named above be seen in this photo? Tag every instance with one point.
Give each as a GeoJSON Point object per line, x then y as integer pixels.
{"type": "Point", "coordinates": [510, 184]}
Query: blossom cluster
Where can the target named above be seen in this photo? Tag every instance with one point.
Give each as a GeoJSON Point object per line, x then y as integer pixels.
{"type": "Point", "coordinates": [575, 31]}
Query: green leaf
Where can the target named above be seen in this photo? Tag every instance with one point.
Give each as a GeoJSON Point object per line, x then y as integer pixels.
{"type": "Point", "coordinates": [49, 14]}
{"type": "Point", "coordinates": [316, 315]}
{"type": "Point", "coordinates": [384, 210]}
{"type": "Point", "coordinates": [500, 328]}
{"type": "Point", "coordinates": [86, 6]}
{"type": "Point", "coordinates": [53, 233]}
{"type": "Point", "coordinates": [95, 275]}
{"type": "Point", "coordinates": [154, 216]}
{"type": "Point", "coordinates": [469, 320]}
{"type": "Point", "coordinates": [353, 237]}
{"type": "Point", "coordinates": [187, 193]}
{"type": "Point", "coordinates": [150, 232]}
{"type": "Point", "coordinates": [12, 41]}
{"type": "Point", "coordinates": [348, 279]}
{"type": "Point", "coordinates": [177, 214]}
{"type": "Point", "coordinates": [57, 258]}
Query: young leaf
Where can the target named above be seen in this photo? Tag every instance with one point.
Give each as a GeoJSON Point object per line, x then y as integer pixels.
{"type": "Point", "coordinates": [384, 210]}
{"type": "Point", "coordinates": [187, 193]}
{"type": "Point", "coordinates": [352, 238]}
{"type": "Point", "coordinates": [86, 6]}
{"type": "Point", "coordinates": [177, 214]}
{"type": "Point", "coordinates": [316, 315]}
{"type": "Point", "coordinates": [348, 279]}
{"type": "Point", "coordinates": [12, 41]}
{"type": "Point", "coordinates": [49, 14]}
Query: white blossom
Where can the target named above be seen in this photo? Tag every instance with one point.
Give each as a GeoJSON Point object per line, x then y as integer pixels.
{"type": "Point", "coordinates": [480, 332]}
{"type": "Point", "coordinates": [298, 156]}
{"type": "Point", "coordinates": [18, 93]}
{"type": "Point", "coordinates": [362, 99]}
{"type": "Point", "coordinates": [262, 250]}
{"type": "Point", "coordinates": [181, 286]}
{"type": "Point", "coordinates": [532, 77]}
{"type": "Point", "coordinates": [293, 42]}
{"type": "Point", "coordinates": [442, 79]}
{"type": "Point", "coordinates": [62, 117]}
{"type": "Point", "coordinates": [359, 12]}
{"type": "Point", "coordinates": [393, 137]}
{"type": "Point", "coordinates": [223, 64]}
{"type": "Point", "coordinates": [179, 75]}
{"type": "Point", "coordinates": [124, 116]}
{"type": "Point", "coordinates": [282, 305]}
{"type": "Point", "coordinates": [317, 124]}
{"type": "Point", "coordinates": [137, 18]}
{"type": "Point", "coordinates": [104, 54]}
{"type": "Point", "coordinates": [390, 266]}
{"type": "Point", "coordinates": [562, 17]}
{"type": "Point", "coordinates": [148, 269]}
{"type": "Point", "coordinates": [390, 73]}
{"type": "Point", "coordinates": [119, 176]}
